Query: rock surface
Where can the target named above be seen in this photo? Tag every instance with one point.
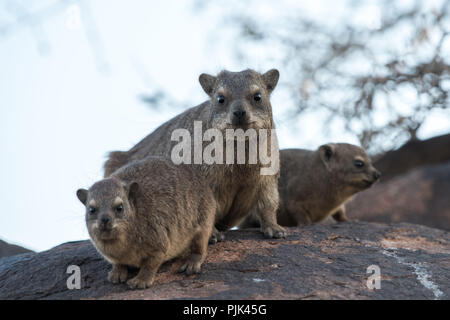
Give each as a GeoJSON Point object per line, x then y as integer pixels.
{"type": "Point", "coordinates": [421, 196]}
{"type": "Point", "coordinates": [316, 262]}
{"type": "Point", "coordinates": [415, 153]}
{"type": "Point", "coordinates": [7, 249]}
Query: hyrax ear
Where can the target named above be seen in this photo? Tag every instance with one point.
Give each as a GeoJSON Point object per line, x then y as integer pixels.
{"type": "Point", "coordinates": [326, 153]}
{"type": "Point", "coordinates": [270, 79]}
{"type": "Point", "coordinates": [207, 82]}
{"type": "Point", "coordinates": [82, 195]}
{"type": "Point", "coordinates": [132, 191]}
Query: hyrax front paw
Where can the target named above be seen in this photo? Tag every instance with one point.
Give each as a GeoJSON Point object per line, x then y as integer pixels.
{"type": "Point", "coordinates": [192, 266]}
{"type": "Point", "coordinates": [118, 274]}
{"type": "Point", "coordinates": [273, 231]}
{"type": "Point", "coordinates": [138, 283]}
{"type": "Point", "coordinates": [216, 236]}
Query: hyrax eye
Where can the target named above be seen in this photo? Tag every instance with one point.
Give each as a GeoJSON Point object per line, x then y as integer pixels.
{"type": "Point", "coordinates": [92, 210]}
{"type": "Point", "coordinates": [359, 163]}
{"type": "Point", "coordinates": [119, 208]}
{"type": "Point", "coordinates": [220, 99]}
{"type": "Point", "coordinates": [257, 97]}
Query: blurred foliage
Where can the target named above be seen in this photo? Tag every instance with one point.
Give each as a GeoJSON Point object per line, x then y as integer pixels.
{"type": "Point", "coordinates": [16, 15]}
{"type": "Point", "coordinates": [380, 70]}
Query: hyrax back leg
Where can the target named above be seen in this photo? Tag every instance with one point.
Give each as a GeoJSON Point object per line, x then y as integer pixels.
{"type": "Point", "coordinates": [198, 253]}
{"type": "Point", "coordinates": [340, 215]}
{"type": "Point", "coordinates": [302, 219]}
{"type": "Point", "coordinates": [147, 271]}
{"type": "Point", "coordinates": [266, 208]}
{"type": "Point", "coordinates": [251, 221]}
{"type": "Point", "coordinates": [118, 274]}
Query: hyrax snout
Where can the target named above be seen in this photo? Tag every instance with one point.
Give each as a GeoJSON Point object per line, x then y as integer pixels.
{"type": "Point", "coordinates": [146, 213]}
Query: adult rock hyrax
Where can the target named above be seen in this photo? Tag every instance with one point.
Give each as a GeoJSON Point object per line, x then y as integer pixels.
{"type": "Point", "coordinates": [146, 213]}
{"type": "Point", "coordinates": [316, 184]}
{"type": "Point", "coordinates": [237, 100]}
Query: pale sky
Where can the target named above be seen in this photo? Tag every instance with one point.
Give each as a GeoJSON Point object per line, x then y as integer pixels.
{"type": "Point", "coordinates": [60, 115]}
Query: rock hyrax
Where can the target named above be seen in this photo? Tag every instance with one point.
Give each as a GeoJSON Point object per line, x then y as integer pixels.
{"type": "Point", "coordinates": [146, 213]}
{"type": "Point", "coordinates": [316, 184]}
{"type": "Point", "coordinates": [237, 100]}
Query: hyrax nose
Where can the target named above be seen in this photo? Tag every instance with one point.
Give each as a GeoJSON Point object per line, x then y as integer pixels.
{"type": "Point", "coordinates": [240, 114]}
{"type": "Point", "coordinates": [104, 220]}
{"type": "Point", "coordinates": [376, 175]}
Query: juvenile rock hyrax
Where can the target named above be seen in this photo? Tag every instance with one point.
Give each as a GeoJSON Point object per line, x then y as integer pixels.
{"type": "Point", "coordinates": [146, 213]}
{"type": "Point", "coordinates": [316, 184]}
{"type": "Point", "coordinates": [237, 100]}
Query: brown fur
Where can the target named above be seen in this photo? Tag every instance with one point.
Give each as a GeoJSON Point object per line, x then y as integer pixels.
{"type": "Point", "coordinates": [163, 215]}
{"type": "Point", "coordinates": [316, 184]}
{"type": "Point", "coordinates": [238, 188]}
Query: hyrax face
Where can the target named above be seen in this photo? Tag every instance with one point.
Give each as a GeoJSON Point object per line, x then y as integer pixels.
{"type": "Point", "coordinates": [109, 205]}
{"type": "Point", "coordinates": [349, 166]}
{"type": "Point", "coordinates": [240, 99]}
